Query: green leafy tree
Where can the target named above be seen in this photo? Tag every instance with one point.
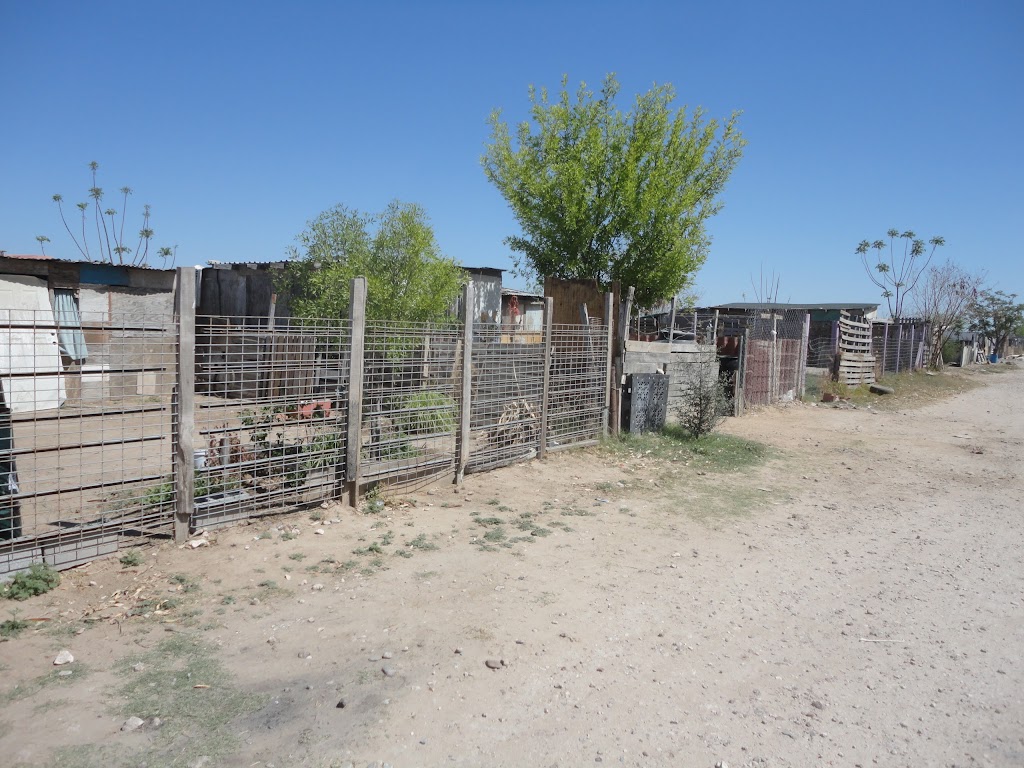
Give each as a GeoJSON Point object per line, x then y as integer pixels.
{"type": "Point", "coordinates": [406, 274]}
{"type": "Point", "coordinates": [110, 245]}
{"type": "Point", "coordinates": [603, 194]}
{"type": "Point", "coordinates": [896, 268]}
{"type": "Point", "coordinates": [997, 316]}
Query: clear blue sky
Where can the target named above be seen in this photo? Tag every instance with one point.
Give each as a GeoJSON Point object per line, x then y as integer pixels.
{"type": "Point", "coordinates": [240, 121]}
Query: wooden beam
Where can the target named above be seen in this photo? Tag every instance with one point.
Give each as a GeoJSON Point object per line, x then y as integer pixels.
{"type": "Point", "coordinates": [465, 401]}
{"type": "Point", "coordinates": [353, 442]}
{"type": "Point", "coordinates": [183, 402]}
{"type": "Point", "coordinates": [545, 398]}
{"type": "Point", "coordinates": [609, 308]}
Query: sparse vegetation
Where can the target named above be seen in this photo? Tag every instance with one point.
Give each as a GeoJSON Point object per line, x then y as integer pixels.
{"type": "Point", "coordinates": [37, 580]}
{"type": "Point", "coordinates": [131, 559]}
{"type": "Point", "coordinates": [12, 627]}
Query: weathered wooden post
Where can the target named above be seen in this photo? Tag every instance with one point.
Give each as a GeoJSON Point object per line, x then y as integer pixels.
{"type": "Point", "coordinates": [609, 308]}
{"type": "Point", "coordinates": [465, 400]}
{"type": "Point", "coordinates": [672, 321]}
{"type": "Point", "coordinates": [545, 398]}
{"type": "Point", "coordinates": [357, 327]}
{"type": "Point", "coordinates": [802, 368]}
{"type": "Point", "coordinates": [183, 401]}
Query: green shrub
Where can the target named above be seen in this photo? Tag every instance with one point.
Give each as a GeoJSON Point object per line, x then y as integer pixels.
{"type": "Point", "coordinates": [426, 413]}
{"type": "Point", "coordinates": [37, 580]}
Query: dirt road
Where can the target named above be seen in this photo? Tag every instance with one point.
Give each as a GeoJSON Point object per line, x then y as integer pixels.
{"type": "Point", "coordinates": [855, 600]}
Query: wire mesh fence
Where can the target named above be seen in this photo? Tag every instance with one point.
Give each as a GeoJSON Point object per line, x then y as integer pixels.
{"type": "Point", "coordinates": [116, 428]}
{"type": "Point", "coordinates": [270, 415]}
{"type": "Point", "coordinates": [899, 347]}
{"type": "Point", "coordinates": [85, 426]}
{"type": "Point", "coordinates": [411, 378]}
{"type": "Point", "coordinates": [508, 384]}
{"type": "Point", "coordinates": [774, 357]}
{"type": "Point", "coordinates": [577, 390]}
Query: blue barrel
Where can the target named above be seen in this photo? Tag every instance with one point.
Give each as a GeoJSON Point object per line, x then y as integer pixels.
{"type": "Point", "coordinates": [993, 358]}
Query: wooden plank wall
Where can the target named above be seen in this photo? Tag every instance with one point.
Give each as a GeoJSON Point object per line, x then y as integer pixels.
{"type": "Point", "coordinates": [856, 364]}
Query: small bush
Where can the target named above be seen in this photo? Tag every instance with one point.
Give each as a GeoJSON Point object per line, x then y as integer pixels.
{"type": "Point", "coordinates": [12, 627]}
{"type": "Point", "coordinates": [703, 401]}
{"type": "Point", "coordinates": [37, 580]}
{"type": "Point", "coordinates": [131, 558]}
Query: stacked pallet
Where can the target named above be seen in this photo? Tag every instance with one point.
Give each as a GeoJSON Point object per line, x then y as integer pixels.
{"type": "Point", "coordinates": [855, 363]}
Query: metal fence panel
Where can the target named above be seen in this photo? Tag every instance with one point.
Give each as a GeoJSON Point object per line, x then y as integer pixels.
{"type": "Point", "coordinates": [85, 428]}
{"type": "Point", "coordinates": [576, 410]}
{"type": "Point", "coordinates": [508, 387]}
{"type": "Point", "coordinates": [411, 380]}
{"type": "Point", "coordinates": [270, 415]}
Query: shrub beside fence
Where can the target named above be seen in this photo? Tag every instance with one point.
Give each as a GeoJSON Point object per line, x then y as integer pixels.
{"type": "Point", "coordinates": [169, 424]}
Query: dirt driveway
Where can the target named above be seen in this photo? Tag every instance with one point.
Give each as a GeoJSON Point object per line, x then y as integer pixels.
{"type": "Point", "coordinates": [854, 600]}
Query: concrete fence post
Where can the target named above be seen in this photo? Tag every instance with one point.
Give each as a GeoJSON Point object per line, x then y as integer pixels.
{"type": "Point", "coordinates": [609, 308]}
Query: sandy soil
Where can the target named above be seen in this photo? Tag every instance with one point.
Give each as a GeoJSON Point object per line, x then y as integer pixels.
{"type": "Point", "coordinates": [855, 601]}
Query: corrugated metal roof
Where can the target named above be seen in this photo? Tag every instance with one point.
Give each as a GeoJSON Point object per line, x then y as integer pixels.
{"type": "Point", "coordinates": [781, 305]}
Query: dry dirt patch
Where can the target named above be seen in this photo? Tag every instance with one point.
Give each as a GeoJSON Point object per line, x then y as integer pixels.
{"type": "Point", "coordinates": [853, 600]}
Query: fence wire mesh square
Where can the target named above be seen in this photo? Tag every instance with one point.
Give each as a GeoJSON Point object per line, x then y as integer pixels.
{"type": "Point", "coordinates": [85, 432]}
{"type": "Point", "coordinates": [270, 415]}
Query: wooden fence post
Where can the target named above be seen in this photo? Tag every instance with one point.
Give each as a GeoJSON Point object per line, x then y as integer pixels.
{"type": "Point", "coordinates": [620, 359]}
{"type": "Point", "coordinates": [741, 374]}
{"type": "Point", "coordinates": [609, 308]}
{"type": "Point", "coordinates": [885, 347]}
{"type": "Point", "coordinates": [899, 344]}
{"type": "Point", "coordinates": [545, 398]}
{"type": "Point", "coordinates": [465, 401]}
{"type": "Point", "coordinates": [672, 320]}
{"type": "Point", "coordinates": [183, 401]}
{"type": "Point", "coordinates": [912, 357]}
{"type": "Point", "coordinates": [353, 442]}
{"type": "Point", "coordinates": [802, 367]}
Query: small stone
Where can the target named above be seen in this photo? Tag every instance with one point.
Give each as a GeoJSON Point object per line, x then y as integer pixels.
{"type": "Point", "coordinates": [132, 723]}
{"type": "Point", "coordinates": [817, 705]}
{"type": "Point", "coordinates": [318, 587]}
{"type": "Point", "coordinates": [319, 532]}
{"type": "Point", "coordinates": [272, 640]}
{"type": "Point", "coordinates": [341, 704]}
{"type": "Point", "coordinates": [92, 583]}
{"type": "Point", "coordinates": [493, 664]}
{"type": "Point", "coordinates": [202, 761]}
{"type": "Point", "coordinates": [305, 655]}
{"type": "Point", "coordinates": [140, 667]}
{"type": "Point", "coordinates": [156, 722]}
{"type": "Point", "coordinates": [458, 651]}
{"type": "Point", "coordinates": [64, 657]}
{"type": "Point", "coordinates": [386, 655]}
{"type": "Point", "coordinates": [721, 764]}
{"type": "Point", "coordinates": [388, 671]}
{"type": "Point", "coordinates": [254, 601]}
{"type": "Point", "coordinates": [65, 673]}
